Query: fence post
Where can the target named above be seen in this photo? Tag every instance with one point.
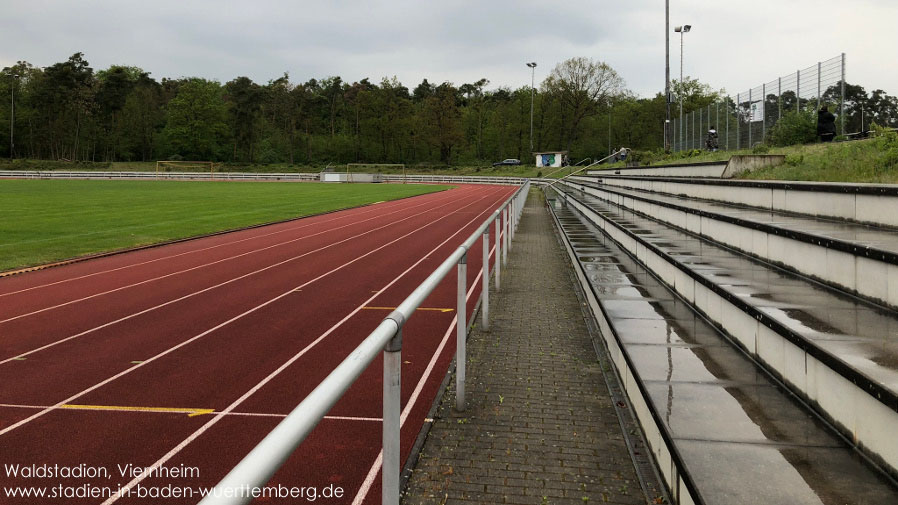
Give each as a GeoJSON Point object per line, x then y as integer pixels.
{"type": "Point", "coordinates": [842, 99]}
{"type": "Point", "coordinates": [673, 135]}
{"type": "Point", "coordinates": [750, 117]}
{"type": "Point", "coordinates": [779, 97]}
{"type": "Point", "coordinates": [717, 115]}
{"type": "Point", "coordinates": [461, 332]}
{"type": "Point", "coordinates": [797, 90]}
{"type": "Point", "coordinates": [485, 285]}
{"type": "Point", "coordinates": [763, 112]}
{"type": "Point", "coordinates": [819, 68]}
{"type": "Point", "coordinates": [392, 411]}
{"type": "Point", "coordinates": [738, 119]}
{"type": "Point", "coordinates": [498, 252]}
{"type": "Point", "coordinates": [726, 114]}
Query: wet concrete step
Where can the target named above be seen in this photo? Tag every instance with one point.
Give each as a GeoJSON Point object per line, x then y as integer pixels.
{"type": "Point", "coordinates": [705, 169]}
{"type": "Point", "coordinates": [838, 352]}
{"type": "Point", "coordinates": [863, 203]}
{"type": "Point", "coordinates": [861, 259]}
{"type": "Point", "coordinates": [721, 428]}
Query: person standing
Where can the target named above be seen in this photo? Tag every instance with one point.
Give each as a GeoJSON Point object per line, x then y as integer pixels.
{"type": "Point", "coordinates": [826, 125]}
{"type": "Point", "coordinates": [711, 140]}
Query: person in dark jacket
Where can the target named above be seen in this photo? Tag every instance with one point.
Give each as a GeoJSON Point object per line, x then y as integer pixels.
{"type": "Point", "coordinates": [711, 139]}
{"type": "Point", "coordinates": [826, 125]}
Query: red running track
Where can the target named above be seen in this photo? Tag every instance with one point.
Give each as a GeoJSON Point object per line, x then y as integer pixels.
{"type": "Point", "coordinates": [183, 357]}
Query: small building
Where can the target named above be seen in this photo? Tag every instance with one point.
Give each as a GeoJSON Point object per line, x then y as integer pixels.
{"type": "Point", "coordinates": [551, 159]}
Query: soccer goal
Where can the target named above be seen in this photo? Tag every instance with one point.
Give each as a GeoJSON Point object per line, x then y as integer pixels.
{"type": "Point", "coordinates": [186, 166]}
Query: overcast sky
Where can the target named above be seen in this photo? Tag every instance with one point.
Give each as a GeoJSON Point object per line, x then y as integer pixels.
{"type": "Point", "coordinates": [733, 45]}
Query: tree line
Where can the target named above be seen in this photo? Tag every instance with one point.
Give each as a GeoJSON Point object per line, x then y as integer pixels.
{"type": "Point", "coordinates": [68, 111]}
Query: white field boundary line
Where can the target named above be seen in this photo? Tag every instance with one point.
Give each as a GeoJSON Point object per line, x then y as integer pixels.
{"type": "Point", "coordinates": [98, 408]}
{"type": "Point", "coordinates": [378, 462]}
{"type": "Point", "coordinates": [195, 293]}
{"type": "Point", "coordinates": [254, 237]}
{"type": "Point", "coordinates": [222, 325]}
{"type": "Point", "coordinates": [196, 434]}
{"type": "Point", "coordinates": [204, 265]}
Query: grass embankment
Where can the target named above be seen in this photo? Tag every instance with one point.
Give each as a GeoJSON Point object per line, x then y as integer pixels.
{"type": "Point", "coordinates": [52, 220]}
{"type": "Point", "coordinates": [872, 160]}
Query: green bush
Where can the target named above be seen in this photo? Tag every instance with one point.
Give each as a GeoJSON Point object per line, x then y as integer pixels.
{"type": "Point", "coordinates": [760, 149]}
{"type": "Point", "coordinates": [793, 160]}
{"type": "Point", "coordinates": [795, 127]}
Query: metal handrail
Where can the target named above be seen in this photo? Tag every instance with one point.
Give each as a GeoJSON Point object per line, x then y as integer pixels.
{"type": "Point", "coordinates": [584, 168]}
{"type": "Point", "coordinates": [257, 467]}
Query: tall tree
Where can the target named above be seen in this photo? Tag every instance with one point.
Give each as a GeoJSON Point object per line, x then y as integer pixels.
{"type": "Point", "coordinates": [245, 99]}
{"type": "Point", "coordinates": [581, 86]}
{"type": "Point", "coordinates": [196, 123]}
{"type": "Point", "coordinates": [442, 115]}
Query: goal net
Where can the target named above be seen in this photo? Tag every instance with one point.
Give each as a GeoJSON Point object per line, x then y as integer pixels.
{"type": "Point", "coordinates": [186, 166]}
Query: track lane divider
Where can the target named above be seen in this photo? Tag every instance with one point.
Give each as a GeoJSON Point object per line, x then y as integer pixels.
{"type": "Point", "coordinates": [204, 265]}
{"type": "Point", "coordinates": [170, 350]}
{"type": "Point", "coordinates": [354, 359]}
{"type": "Point", "coordinates": [270, 454]}
{"type": "Point", "coordinates": [21, 356]}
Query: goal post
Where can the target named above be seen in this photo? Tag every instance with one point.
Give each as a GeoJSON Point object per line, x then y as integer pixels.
{"type": "Point", "coordinates": [187, 166]}
{"type": "Point", "coordinates": [376, 168]}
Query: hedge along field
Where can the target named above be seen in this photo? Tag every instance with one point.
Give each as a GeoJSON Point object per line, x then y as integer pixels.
{"type": "Point", "coordinates": [50, 220]}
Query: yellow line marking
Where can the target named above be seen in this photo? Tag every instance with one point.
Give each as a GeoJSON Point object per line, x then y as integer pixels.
{"type": "Point", "coordinates": [136, 362]}
{"type": "Point", "coordinates": [119, 408]}
{"type": "Point", "coordinates": [437, 309]}
{"type": "Point", "coordinates": [19, 359]}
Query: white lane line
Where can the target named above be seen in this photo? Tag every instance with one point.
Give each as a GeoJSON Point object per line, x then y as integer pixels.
{"type": "Point", "coordinates": [170, 411]}
{"type": "Point", "coordinates": [204, 265]}
{"type": "Point", "coordinates": [203, 334]}
{"type": "Point", "coordinates": [184, 443]}
{"type": "Point", "coordinates": [165, 258]}
{"type": "Point", "coordinates": [21, 356]}
{"type": "Point", "coordinates": [378, 462]}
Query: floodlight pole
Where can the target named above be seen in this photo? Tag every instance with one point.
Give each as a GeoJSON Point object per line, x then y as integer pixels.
{"type": "Point", "coordinates": [532, 66]}
{"type": "Point", "coordinates": [681, 30]}
{"type": "Point", "coordinates": [667, 75]}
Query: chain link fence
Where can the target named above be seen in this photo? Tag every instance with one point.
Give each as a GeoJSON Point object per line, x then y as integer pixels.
{"type": "Point", "coordinates": [742, 121]}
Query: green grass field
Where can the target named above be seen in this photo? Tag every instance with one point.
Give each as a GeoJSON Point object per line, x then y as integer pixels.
{"type": "Point", "coordinates": [49, 220]}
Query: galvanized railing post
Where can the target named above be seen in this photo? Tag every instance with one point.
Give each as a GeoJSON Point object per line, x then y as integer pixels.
{"type": "Point", "coordinates": [485, 285]}
{"type": "Point", "coordinates": [498, 252]}
{"type": "Point", "coordinates": [511, 214]}
{"type": "Point", "coordinates": [391, 423]}
{"type": "Point", "coordinates": [461, 334]}
{"type": "Point", "coordinates": [505, 243]}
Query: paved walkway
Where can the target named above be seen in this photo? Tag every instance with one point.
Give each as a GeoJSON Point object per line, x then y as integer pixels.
{"type": "Point", "coordinates": [540, 427]}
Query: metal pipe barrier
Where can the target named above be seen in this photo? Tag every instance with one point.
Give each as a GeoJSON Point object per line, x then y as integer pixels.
{"type": "Point", "coordinates": [248, 176]}
{"type": "Point", "coordinates": [257, 468]}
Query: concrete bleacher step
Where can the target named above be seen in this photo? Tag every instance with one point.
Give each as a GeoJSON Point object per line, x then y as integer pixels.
{"type": "Point", "coordinates": [858, 258]}
{"type": "Point", "coordinates": [722, 429]}
{"type": "Point", "coordinates": [863, 203]}
{"type": "Point", "coordinates": [725, 169]}
{"type": "Point", "coordinates": [836, 351]}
